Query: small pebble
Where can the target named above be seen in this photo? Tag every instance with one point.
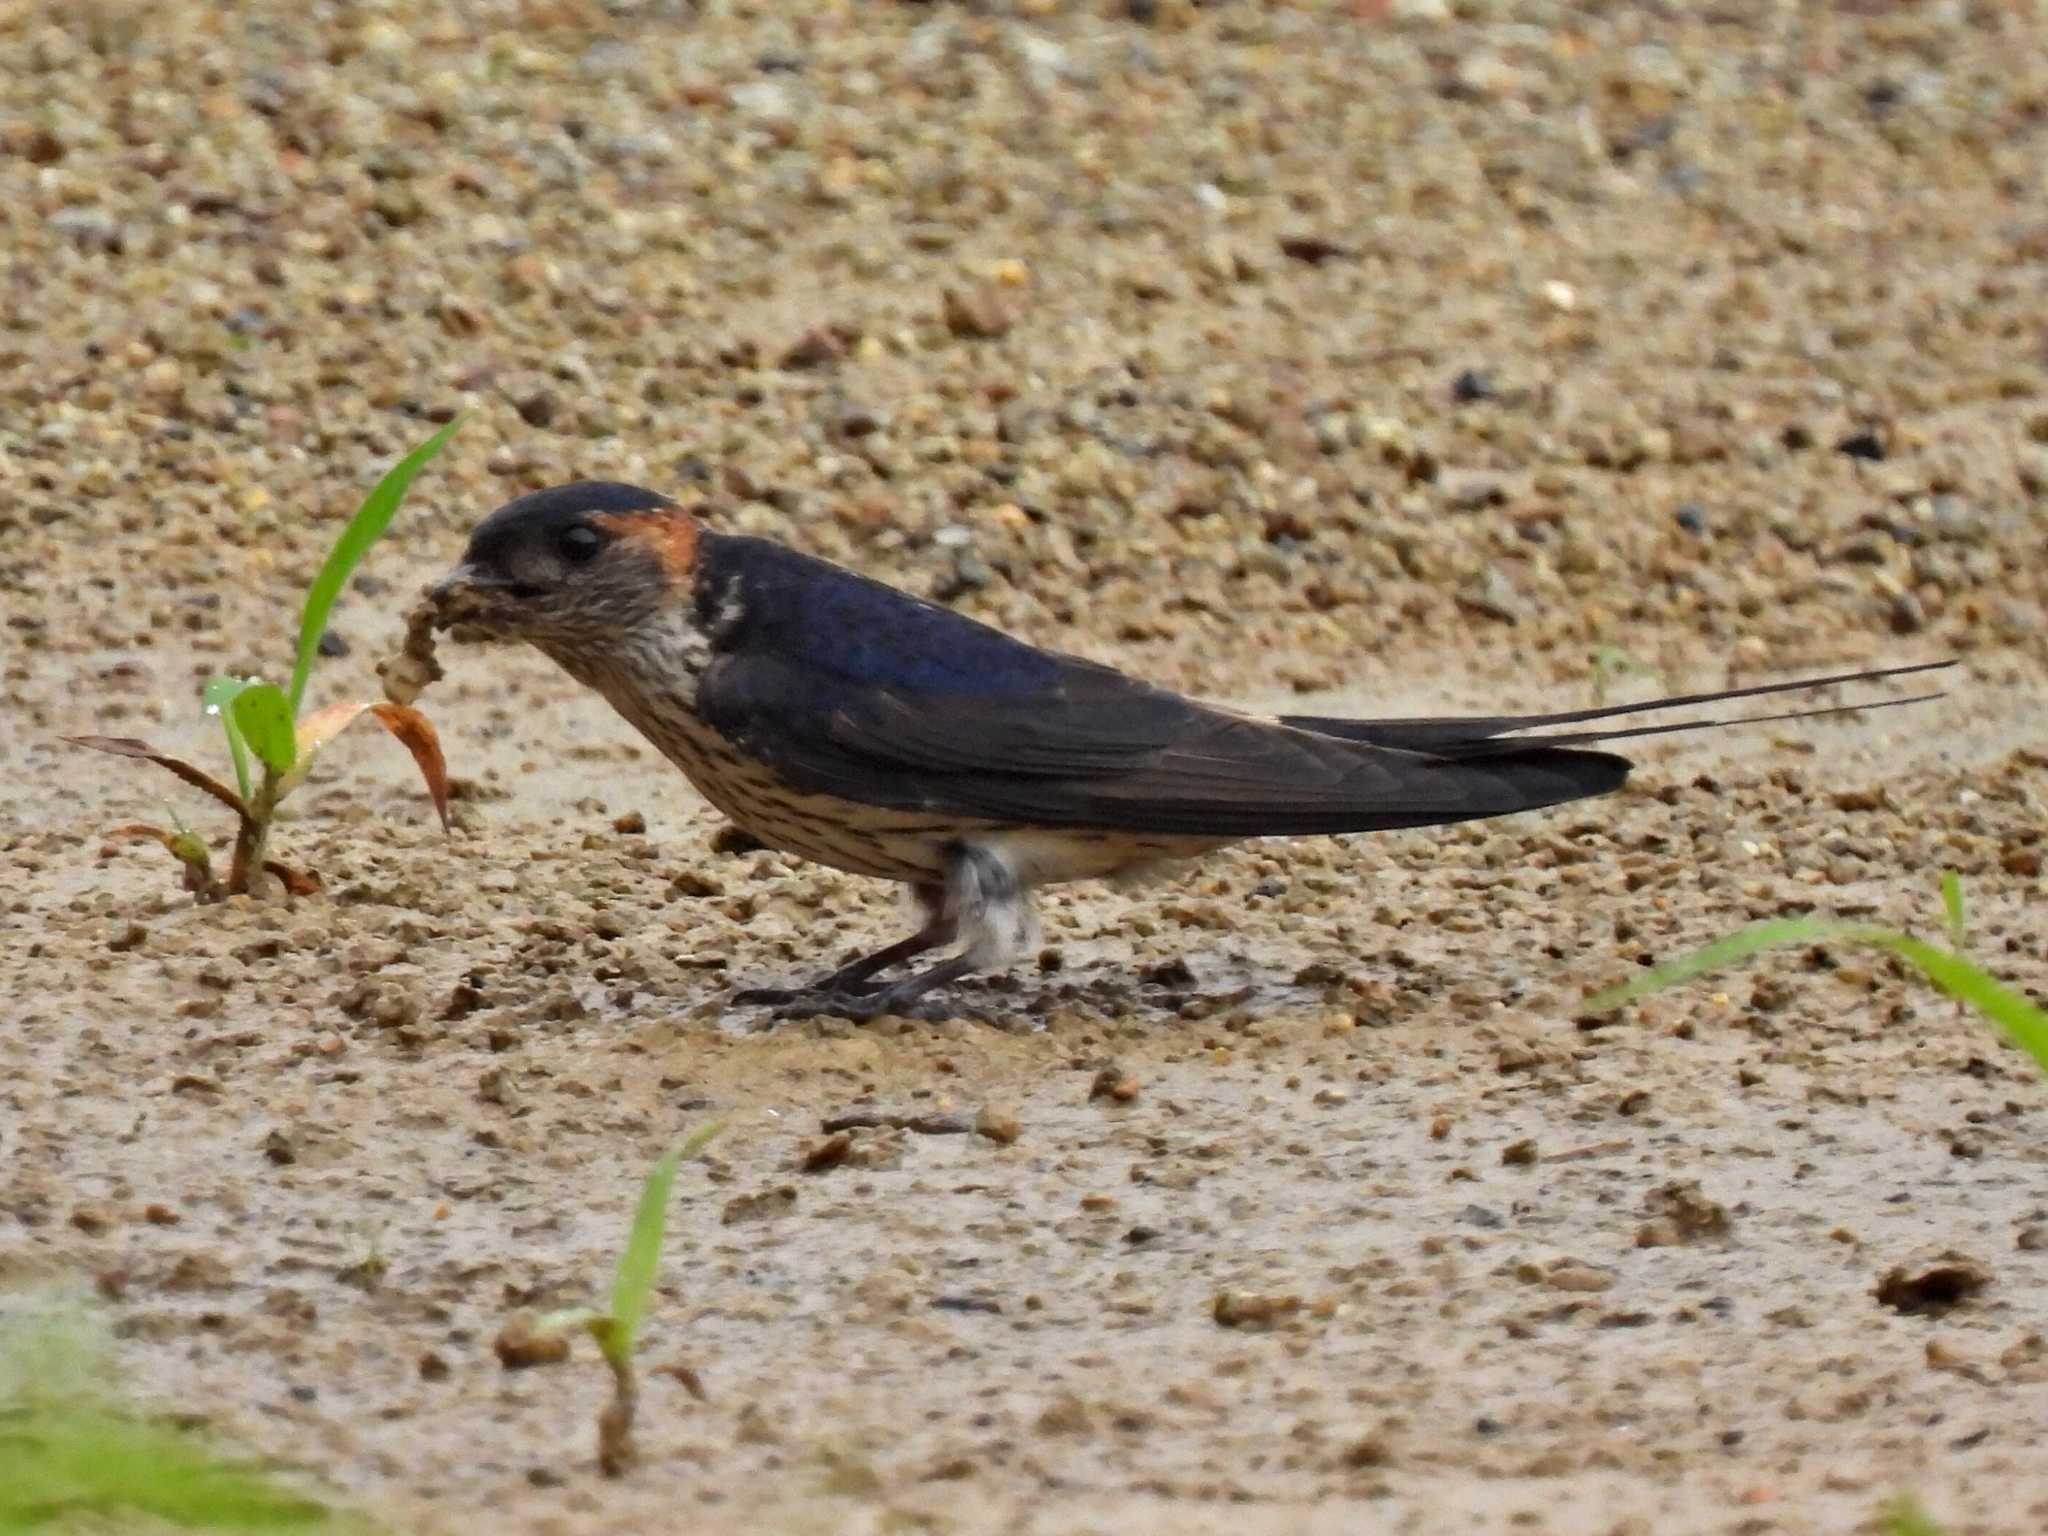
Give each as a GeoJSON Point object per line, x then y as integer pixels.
{"type": "Point", "coordinates": [998, 1125]}
{"type": "Point", "coordinates": [1471, 386]}
{"type": "Point", "coordinates": [1253, 1309]}
{"type": "Point", "coordinates": [520, 1347]}
{"type": "Point", "coordinates": [1572, 1275]}
{"type": "Point", "coordinates": [1933, 1284]}
{"type": "Point", "coordinates": [1112, 1082]}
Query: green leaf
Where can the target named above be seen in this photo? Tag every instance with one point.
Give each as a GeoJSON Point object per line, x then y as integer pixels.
{"type": "Point", "coordinates": [633, 1286]}
{"type": "Point", "coordinates": [62, 1462]}
{"type": "Point", "coordinates": [264, 716]}
{"type": "Point", "coordinates": [2026, 1024]}
{"type": "Point", "coordinates": [218, 695]}
{"type": "Point", "coordinates": [73, 1457]}
{"type": "Point", "coordinates": [189, 848]}
{"type": "Point", "coordinates": [363, 530]}
{"type": "Point", "coordinates": [562, 1319]}
{"type": "Point", "coordinates": [1739, 945]}
{"type": "Point", "coordinates": [1952, 903]}
{"type": "Point", "coordinates": [612, 1342]}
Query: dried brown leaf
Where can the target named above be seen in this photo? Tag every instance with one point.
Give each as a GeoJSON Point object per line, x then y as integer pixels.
{"type": "Point", "coordinates": [128, 746]}
{"type": "Point", "coordinates": [297, 882]}
{"type": "Point", "coordinates": [413, 730]}
{"type": "Point", "coordinates": [140, 832]}
{"type": "Point", "coordinates": [188, 848]}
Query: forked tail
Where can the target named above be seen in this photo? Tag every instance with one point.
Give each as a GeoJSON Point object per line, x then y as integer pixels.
{"type": "Point", "coordinates": [1495, 735]}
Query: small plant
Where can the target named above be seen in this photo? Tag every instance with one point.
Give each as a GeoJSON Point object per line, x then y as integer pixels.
{"type": "Point", "coordinates": [263, 721]}
{"type": "Point", "coordinates": [1903, 1516]}
{"type": "Point", "coordinates": [617, 1327]}
{"type": "Point", "coordinates": [1609, 664]}
{"type": "Point", "coordinates": [369, 1265]}
{"type": "Point", "coordinates": [2025, 1024]}
{"type": "Point", "coordinates": [73, 1456]}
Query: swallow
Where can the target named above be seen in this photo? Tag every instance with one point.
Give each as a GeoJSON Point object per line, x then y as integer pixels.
{"type": "Point", "coordinates": [847, 722]}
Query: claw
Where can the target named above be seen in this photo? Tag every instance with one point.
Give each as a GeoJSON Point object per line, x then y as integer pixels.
{"type": "Point", "coordinates": [854, 1002]}
{"type": "Point", "coordinates": [837, 1005]}
{"type": "Point", "coordinates": [858, 1004]}
{"type": "Point", "coordinates": [847, 994]}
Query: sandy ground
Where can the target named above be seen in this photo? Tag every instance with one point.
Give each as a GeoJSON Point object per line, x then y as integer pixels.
{"type": "Point", "coordinates": [1386, 355]}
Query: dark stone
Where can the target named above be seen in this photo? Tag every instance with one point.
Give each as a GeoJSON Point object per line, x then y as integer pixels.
{"type": "Point", "coordinates": [1471, 386]}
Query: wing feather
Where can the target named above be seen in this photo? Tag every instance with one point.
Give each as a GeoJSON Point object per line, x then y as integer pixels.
{"type": "Point", "coordinates": [1482, 734]}
{"type": "Point", "coordinates": [1106, 752]}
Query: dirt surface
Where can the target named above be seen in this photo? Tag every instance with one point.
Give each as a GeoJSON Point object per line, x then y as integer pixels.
{"type": "Point", "coordinates": [1398, 355]}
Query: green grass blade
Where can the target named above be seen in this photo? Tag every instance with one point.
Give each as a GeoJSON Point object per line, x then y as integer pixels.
{"type": "Point", "coordinates": [72, 1456]}
{"type": "Point", "coordinates": [61, 1462]}
{"type": "Point", "coordinates": [566, 1317]}
{"type": "Point", "coordinates": [1952, 903]}
{"type": "Point", "coordinates": [2026, 1024]}
{"type": "Point", "coordinates": [363, 530]}
{"type": "Point", "coordinates": [264, 716]}
{"type": "Point", "coordinates": [562, 1319]}
{"type": "Point", "coordinates": [218, 695]}
{"type": "Point", "coordinates": [634, 1284]}
{"type": "Point", "coordinates": [1737, 946]}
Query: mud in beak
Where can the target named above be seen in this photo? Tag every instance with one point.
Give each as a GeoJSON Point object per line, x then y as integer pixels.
{"type": "Point", "coordinates": [471, 605]}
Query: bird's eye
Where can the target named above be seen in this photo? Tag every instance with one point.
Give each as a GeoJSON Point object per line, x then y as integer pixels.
{"type": "Point", "coordinates": [579, 545]}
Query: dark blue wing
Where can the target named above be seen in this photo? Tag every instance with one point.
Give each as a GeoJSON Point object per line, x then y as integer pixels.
{"type": "Point", "coordinates": [850, 688]}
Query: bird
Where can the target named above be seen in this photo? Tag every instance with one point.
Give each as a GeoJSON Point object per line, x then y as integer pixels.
{"type": "Point", "coordinates": [850, 723]}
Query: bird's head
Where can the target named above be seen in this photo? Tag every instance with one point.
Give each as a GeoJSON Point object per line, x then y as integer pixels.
{"type": "Point", "coordinates": [571, 567]}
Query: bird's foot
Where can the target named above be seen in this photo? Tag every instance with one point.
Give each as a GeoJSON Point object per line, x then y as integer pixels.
{"type": "Point", "coordinates": [860, 1004]}
{"type": "Point", "coordinates": [860, 1007]}
{"type": "Point", "coordinates": [789, 997]}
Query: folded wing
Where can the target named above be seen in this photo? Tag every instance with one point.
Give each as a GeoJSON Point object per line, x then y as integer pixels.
{"type": "Point", "coordinates": [851, 689]}
{"type": "Point", "coordinates": [1096, 750]}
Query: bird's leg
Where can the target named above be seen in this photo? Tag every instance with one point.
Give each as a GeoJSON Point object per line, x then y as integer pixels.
{"type": "Point", "coordinates": [851, 979]}
{"type": "Point", "coordinates": [983, 899]}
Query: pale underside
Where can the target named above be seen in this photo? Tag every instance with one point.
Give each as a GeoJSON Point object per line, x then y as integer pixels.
{"type": "Point", "coordinates": [994, 917]}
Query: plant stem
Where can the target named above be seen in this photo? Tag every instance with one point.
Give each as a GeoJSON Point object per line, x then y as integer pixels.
{"type": "Point", "coordinates": [253, 840]}
{"type": "Point", "coordinates": [615, 1450]}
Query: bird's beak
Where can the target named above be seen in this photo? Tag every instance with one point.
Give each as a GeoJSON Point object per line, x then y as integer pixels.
{"type": "Point", "coordinates": [458, 586]}
{"type": "Point", "coordinates": [466, 598]}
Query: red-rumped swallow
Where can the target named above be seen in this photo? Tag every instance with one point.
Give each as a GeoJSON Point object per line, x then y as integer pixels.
{"type": "Point", "coordinates": [841, 720]}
